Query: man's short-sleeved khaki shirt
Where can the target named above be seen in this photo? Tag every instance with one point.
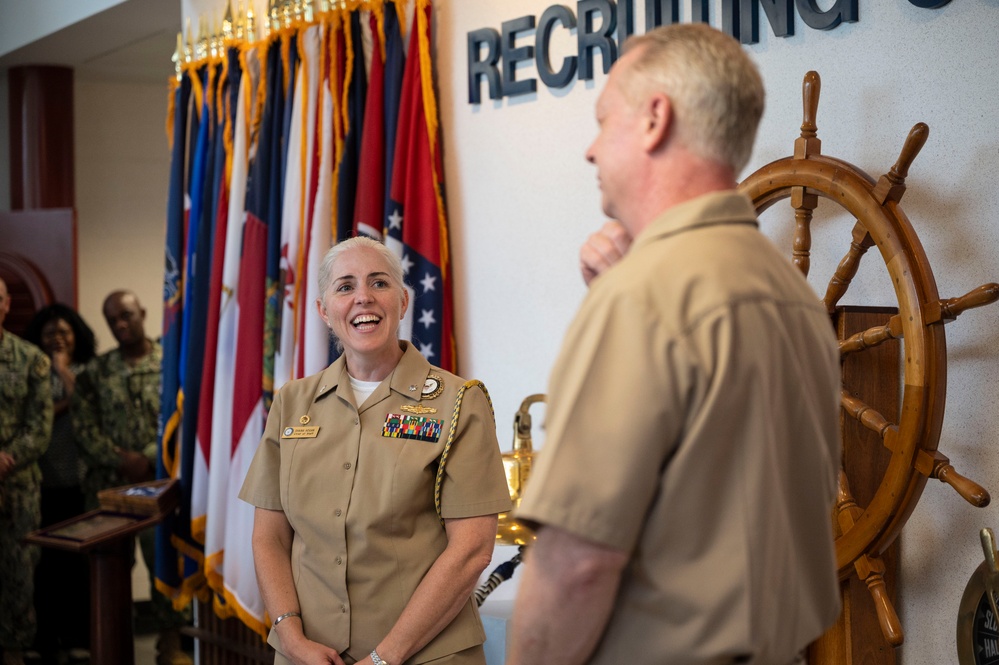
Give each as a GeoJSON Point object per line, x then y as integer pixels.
{"type": "Point", "coordinates": [693, 422]}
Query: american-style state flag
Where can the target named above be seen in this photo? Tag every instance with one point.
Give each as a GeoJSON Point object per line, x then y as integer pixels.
{"type": "Point", "coordinates": [370, 199]}
{"type": "Point", "coordinates": [229, 566]}
{"type": "Point", "coordinates": [312, 351]}
{"type": "Point", "coordinates": [416, 226]}
{"type": "Point", "coordinates": [299, 186]}
{"type": "Point", "coordinates": [170, 568]}
{"type": "Point", "coordinates": [226, 108]}
{"type": "Point", "coordinates": [249, 410]}
{"type": "Point", "coordinates": [280, 97]}
{"type": "Point", "coordinates": [357, 90]}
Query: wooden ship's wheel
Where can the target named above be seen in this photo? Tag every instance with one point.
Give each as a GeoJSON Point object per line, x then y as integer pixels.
{"type": "Point", "coordinates": [910, 436]}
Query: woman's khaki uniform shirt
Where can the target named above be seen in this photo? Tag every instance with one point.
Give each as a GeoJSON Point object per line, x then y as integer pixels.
{"type": "Point", "coordinates": [357, 487]}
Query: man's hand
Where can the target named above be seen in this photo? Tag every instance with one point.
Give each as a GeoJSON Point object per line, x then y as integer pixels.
{"type": "Point", "coordinates": [133, 466]}
{"type": "Point", "coordinates": [603, 249]}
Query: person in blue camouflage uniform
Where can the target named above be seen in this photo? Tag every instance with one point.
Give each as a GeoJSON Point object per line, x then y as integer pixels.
{"type": "Point", "coordinates": [25, 428]}
{"type": "Point", "coordinates": [115, 412]}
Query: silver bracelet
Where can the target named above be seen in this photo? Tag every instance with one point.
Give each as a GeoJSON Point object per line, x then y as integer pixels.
{"type": "Point", "coordinates": [285, 616]}
{"type": "Point", "coordinates": [376, 659]}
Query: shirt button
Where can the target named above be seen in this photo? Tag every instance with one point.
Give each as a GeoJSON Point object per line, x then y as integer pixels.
{"type": "Point", "coordinates": [356, 421]}
{"type": "Point", "coordinates": [337, 512]}
{"type": "Point", "coordinates": [346, 465]}
{"type": "Point", "coordinates": [343, 608]}
{"type": "Point", "coordinates": [339, 561]}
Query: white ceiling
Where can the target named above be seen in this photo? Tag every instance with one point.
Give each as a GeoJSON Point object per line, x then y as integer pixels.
{"type": "Point", "coordinates": [130, 41]}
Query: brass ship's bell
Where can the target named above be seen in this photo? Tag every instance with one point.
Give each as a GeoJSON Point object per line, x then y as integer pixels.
{"type": "Point", "coordinates": [517, 464]}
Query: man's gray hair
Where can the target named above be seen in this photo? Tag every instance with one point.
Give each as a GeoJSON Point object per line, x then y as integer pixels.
{"type": "Point", "coordinates": [714, 88]}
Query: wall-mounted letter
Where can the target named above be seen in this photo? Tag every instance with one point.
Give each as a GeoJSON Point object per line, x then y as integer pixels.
{"type": "Point", "coordinates": [661, 12]}
{"type": "Point", "coordinates": [554, 14]}
{"type": "Point", "coordinates": [511, 56]}
{"type": "Point", "coordinates": [699, 11]}
{"type": "Point", "coordinates": [588, 39]}
{"type": "Point", "coordinates": [843, 10]}
{"type": "Point", "coordinates": [730, 17]}
{"type": "Point", "coordinates": [486, 67]}
{"type": "Point", "coordinates": [780, 13]}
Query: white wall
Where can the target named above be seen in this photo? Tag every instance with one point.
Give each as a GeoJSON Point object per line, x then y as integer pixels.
{"type": "Point", "coordinates": [122, 173]}
{"type": "Point", "coordinates": [521, 200]}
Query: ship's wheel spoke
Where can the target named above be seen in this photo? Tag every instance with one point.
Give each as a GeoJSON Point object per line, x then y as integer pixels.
{"type": "Point", "coordinates": [948, 309]}
{"type": "Point", "coordinates": [803, 202]}
{"type": "Point", "coordinates": [847, 268]}
{"type": "Point", "coordinates": [870, 418]}
{"type": "Point", "coordinates": [868, 339]}
{"type": "Point", "coordinates": [870, 568]}
{"type": "Point", "coordinates": [934, 464]}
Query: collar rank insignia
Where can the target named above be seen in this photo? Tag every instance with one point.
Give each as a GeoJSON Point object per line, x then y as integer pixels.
{"type": "Point", "coordinates": [432, 387]}
{"type": "Point", "coordinates": [401, 426]}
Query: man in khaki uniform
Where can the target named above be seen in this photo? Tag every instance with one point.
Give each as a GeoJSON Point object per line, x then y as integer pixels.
{"type": "Point", "coordinates": [25, 428]}
{"type": "Point", "coordinates": [683, 494]}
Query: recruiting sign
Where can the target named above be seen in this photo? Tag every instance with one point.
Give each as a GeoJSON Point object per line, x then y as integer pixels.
{"type": "Point", "coordinates": [601, 26]}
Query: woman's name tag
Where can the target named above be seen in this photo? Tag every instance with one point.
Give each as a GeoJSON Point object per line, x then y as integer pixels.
{"type": "Point", "coordinates": [300, 432]}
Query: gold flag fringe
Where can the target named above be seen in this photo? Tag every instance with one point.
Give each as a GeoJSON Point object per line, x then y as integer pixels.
{"type": "Point", "coordinates": [430, 113]}
{"type": "Point", "coordinates": [171, 109]}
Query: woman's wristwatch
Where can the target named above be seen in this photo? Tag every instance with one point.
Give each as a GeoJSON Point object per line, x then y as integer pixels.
{"type": "Point", "coordinates": [376, 659]}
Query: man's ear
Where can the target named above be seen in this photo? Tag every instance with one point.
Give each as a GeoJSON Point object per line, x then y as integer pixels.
{"type": "Point", "coordinates": [659, 121]}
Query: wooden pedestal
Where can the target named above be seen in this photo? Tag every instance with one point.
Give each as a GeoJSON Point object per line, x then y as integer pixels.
{"type": "Point", "coordinates": [872, 375]}
{"type": "Point", "coordinates": [107, 537]}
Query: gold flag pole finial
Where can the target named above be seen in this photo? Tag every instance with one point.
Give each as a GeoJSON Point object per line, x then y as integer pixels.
{"type": "Point", "coordinates": [214, 50]}
{"type": "Point", "coordinates": [239, 25]}
{"type": "Point", "coordinates": [275, 16]}
{"type": "Point", "coordinates": [178, 57]}
{"type": "Point", "coordinates": [201, 46]}
{"type": "Point", "coordinates": [228, 24]}
{"type": "Point", "coordinates": [189, 45]}
{"type": "Point", "coordinates": [251, 26]}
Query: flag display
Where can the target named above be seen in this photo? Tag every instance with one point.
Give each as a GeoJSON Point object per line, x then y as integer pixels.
{"type": "Point", "coordinates": [416, 226]}
{"type": "Point", "coordinates": [324, 129]}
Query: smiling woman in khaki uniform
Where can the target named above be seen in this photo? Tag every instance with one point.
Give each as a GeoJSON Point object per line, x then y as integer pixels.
{"type": "Point", "coordinates": [352, 561]}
